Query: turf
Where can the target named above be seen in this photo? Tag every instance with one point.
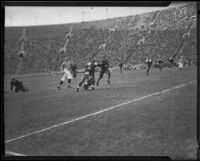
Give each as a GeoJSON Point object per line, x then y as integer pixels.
{"type": "Point", "coordinates": [161, 125]}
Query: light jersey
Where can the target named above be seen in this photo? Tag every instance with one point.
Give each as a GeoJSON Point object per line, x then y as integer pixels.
{"type": "Point", "coordinates": [66, 65]}
{"type": "Point", "coordinates": [181, 60]}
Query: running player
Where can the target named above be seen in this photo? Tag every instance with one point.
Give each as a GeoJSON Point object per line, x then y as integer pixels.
{"type": "Point", "coordinates": [88, 78]}
{"type": "Point", "coordinates": [18, 85]}
{"type": "Point", "coordinates": [148, 63]}
{"type": "Point", "coordinates": [104, 68]}
{"type": "Point", "coordinates": [66, 68]}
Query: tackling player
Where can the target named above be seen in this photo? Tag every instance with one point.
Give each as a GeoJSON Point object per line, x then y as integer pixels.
{"type": "Point", "coordinates": [88, 77]}
{"type": "Point", "coordinates": [104, 68]}
{"type": "Point", "coordinates": [66, 68]}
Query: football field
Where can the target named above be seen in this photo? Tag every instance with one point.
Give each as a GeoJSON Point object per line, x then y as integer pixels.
{"type": "Point", "coordinates": [137, 115]}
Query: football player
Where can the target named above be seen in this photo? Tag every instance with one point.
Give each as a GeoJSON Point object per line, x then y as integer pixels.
{"type": "Point", "coordinates": [160, 63]}
{"type": "Point", "coordinates": [18, 85]}
{"type": "Point", "coordinates": [74, 70]}
{"type": "Point", "coordinates": [148, 63]}
{"type": "Point", "coordinates": [66, 68]}
{"type": "Point", "coordinates": [121, 66]}
{"type": "Point", "coordinates": [171, 61]}
{"type": "Point", "coordinates": [104, 68]}
{"type": "Point", "coordinates": [88, 77]}
{"type": "Point", "coordinates": [180, 63]}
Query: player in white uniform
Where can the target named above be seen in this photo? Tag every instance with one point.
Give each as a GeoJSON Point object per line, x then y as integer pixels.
{"type": "Point", "coordinates": [66, 68]}
{"type": "Point", "coordinates": [180, 63]}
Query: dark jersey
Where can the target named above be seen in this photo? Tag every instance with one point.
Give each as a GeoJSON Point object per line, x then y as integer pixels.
{"type": "Point", "coordinates": [104, 64]}
{"type": "Point", "coordinates": [160, 61]}
{"type": "Point", "coordinates": [148, 63]}
{"type": "Point", "coordinates": [171, 60]}
{"type": "Point", "coordinates": [73, 67]}
{"type": "Point", "coordinates": [18, 85]}
{"type": "Point", "coordinates": [90, 68]}
{"type": "Point", "coordinates": [121, 64]}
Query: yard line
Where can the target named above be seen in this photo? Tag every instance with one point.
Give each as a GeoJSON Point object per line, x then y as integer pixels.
{"type": "Point", "coordinates": [96, 113]}
{"type": "Point", "coordinates": [13, 153]}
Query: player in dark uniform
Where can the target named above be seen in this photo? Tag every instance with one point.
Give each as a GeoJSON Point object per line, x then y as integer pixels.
{"type": "Point", "coordinates": [121, 66]}
{"type": "Point", "coordinates": [104, 68]}
{"type": "Point", "coordinates": [148, 63]}
{"type": "Point", "coordinates": [88, 78]}
{"type": "Point", "coordinates": [18, 85]}
{"type": "Point", "coordinates": [160, 63]}
{"type": "Point", "coordinates": [171, 61]}
{"type": "Point", "coordinates": [74, 70]}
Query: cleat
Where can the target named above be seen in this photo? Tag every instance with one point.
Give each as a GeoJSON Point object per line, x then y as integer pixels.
{"type": "Point", "coordinates": [97, 84]}
{"type": "Point", "coordinates": [108, 82]}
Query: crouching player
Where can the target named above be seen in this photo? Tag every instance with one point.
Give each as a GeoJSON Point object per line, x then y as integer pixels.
{"type": "Point", "coordinates": [18, 85]}
{"type": "Point", "coordinates": [88, 78]}
{"type": "Point", "coordinates": [148, 63]}
{"type": "Point", "coordinates": [104, 68]}
{"type": "Point", "coordinates": [66, 68]}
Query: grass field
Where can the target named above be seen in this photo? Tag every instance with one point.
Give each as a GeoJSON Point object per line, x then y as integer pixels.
{"type": "Point", "coordinates": [135, 116]}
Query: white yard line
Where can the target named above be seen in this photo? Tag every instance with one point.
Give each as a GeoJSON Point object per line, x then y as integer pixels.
{"type": "Point", "coordinates": [13, 153]}
{"type": "Point", "coordinates": [95, 113]}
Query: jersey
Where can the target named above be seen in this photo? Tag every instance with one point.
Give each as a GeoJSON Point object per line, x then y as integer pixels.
{"type": "Point", "coordinates": [160, 61]}
{"type": "Point", "coordinates": [148, 62]}
{"type": "Point", "coordinates": [90, 68]}
{"type": "Point", "coordinates": [66, 65]}
{"type": "Point", "coordinates": [121, 64]}
{"type": "Point", "coordinates": [104, 64]}
{"type": "Point", "coordinates": [73, 67]}
{"type": "Point", "coordinates": [171, 60]}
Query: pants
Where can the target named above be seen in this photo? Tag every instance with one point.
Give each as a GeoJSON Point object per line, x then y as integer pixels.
{"type": "Point", "coordinates": [67, 75]}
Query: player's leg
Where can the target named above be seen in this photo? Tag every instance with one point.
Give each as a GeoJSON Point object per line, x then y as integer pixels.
{"type": "Point", "coordinates": [147, 72]}
{"type": "Point", "coordinates": [109, 75]}
{"type": "Point", "coordinates": [69, 78]}
{"type": "Point", "coordinates": [100, 76]}
{"type": "Point", "coordinates": [92, 82]}
{"type": "Point", "coordinates": [82, 81]}
{"type": "Point", "coordinates": [160, 67]}
{"type": "Point", "coordinates": [17, 89]}
{"type": "Point", "coordinates": [62, 80]}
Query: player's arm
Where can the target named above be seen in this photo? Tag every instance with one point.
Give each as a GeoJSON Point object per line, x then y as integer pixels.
{"type": "Point", "coordinates": [62, 67]}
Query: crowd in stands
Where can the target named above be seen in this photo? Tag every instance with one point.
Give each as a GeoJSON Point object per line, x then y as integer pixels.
{"type": "Point", "coordinates": [159, 40]}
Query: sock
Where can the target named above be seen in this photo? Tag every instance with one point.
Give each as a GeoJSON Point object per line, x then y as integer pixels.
{"type": "Point", "coordinates": [69, 80]}
{"type": "Point", "coordinates": [61, 82]}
